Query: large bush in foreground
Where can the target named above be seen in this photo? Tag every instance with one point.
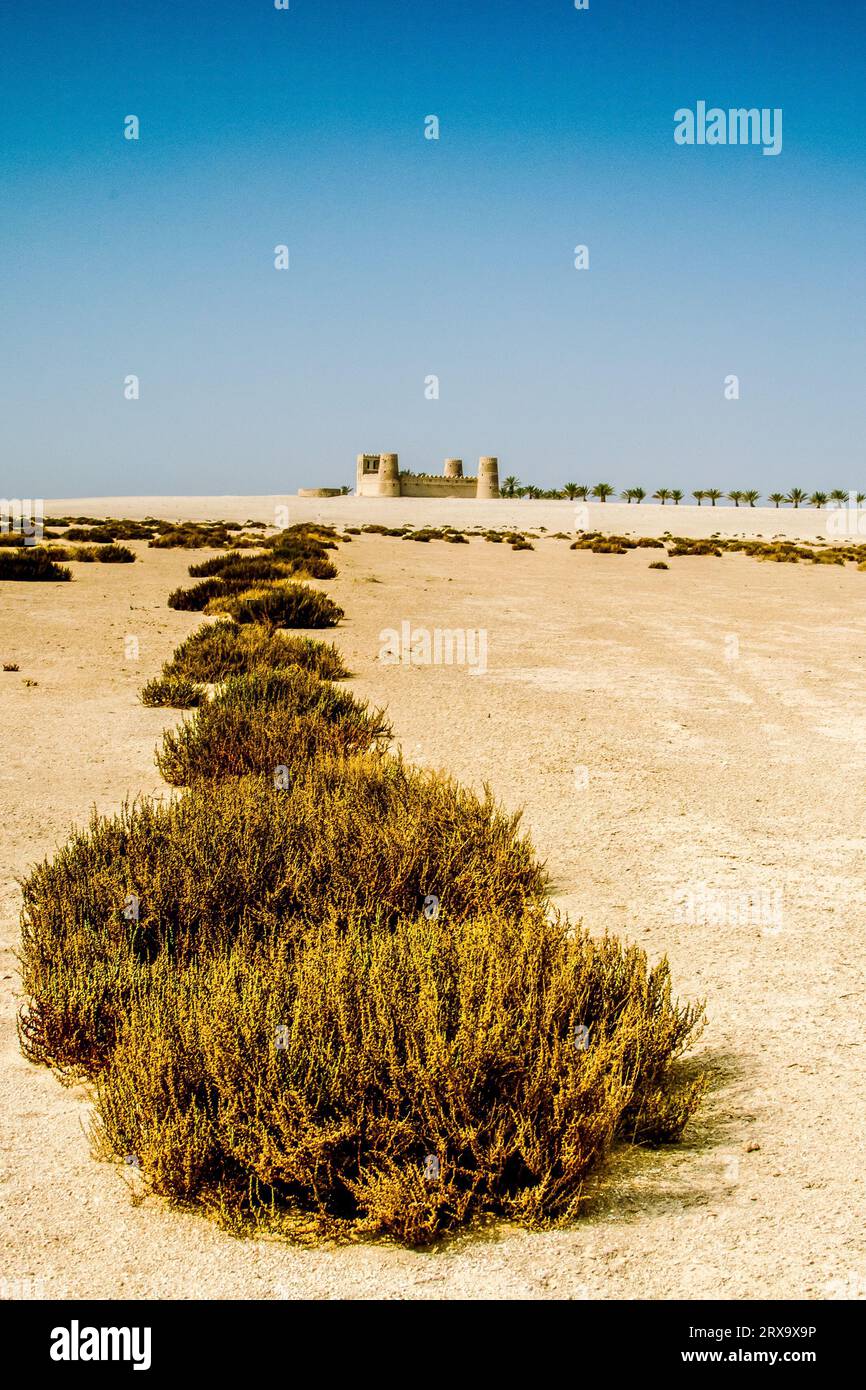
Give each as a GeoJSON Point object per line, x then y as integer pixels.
{"type": "Point", "coordinates": [398, 1082]}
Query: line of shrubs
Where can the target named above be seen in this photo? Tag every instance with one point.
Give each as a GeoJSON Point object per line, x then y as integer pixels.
{"type": "Point", "coordinates": [322, 991]}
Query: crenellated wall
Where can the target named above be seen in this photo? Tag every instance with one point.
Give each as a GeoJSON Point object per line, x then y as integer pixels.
{"type": "Point", "coordinates": [378, 475]}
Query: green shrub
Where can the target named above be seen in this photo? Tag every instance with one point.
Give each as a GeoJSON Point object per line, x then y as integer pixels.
{"type": "Point", "coordinates": [222, 649]}
{"type": "Point", "coordinates": [281, 604]}
{"type": "Point", "coordinates": [658, 565]}
{"type": "Point", "coordinates": [174, 691]}
{"type": "Point", "coordinates": [268, 720]}
{"type": "Point", "coordinates": [32, 564]}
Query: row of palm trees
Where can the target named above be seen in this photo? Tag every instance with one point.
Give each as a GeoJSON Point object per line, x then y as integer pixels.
{"type": "Point", "coordinates": [511, 487]}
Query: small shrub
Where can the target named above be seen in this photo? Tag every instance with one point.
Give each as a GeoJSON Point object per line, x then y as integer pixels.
{"type": "Point", "coordinates": [94, 534]}
{"type": "Point", "coordinates": [10, 666]}
{"type": "Point", "coordinates": [281, 604]}
{"type": "Point", "coordinates": [115, 555]}
{"type": "Point", "coordinates": [174, 691]}
{"type": "Point", "coordinates": [198, 596]}
{"type": "Point", "coordinates": [658, 565]}
{"type": "Point", "coordinates": [222, 649]}
{"type": "Point", "coordinates": [269, 719]}
{"type": "Point", "coordinates": [32, 564]}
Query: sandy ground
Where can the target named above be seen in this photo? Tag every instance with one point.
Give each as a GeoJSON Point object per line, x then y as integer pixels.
{"type": "Point", "coordinates": [703, 726]}
{"type": "Point", "coordinates": [648, 519]}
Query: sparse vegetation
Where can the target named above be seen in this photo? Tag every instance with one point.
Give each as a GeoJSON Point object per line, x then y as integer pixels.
{"type": "Point", "coordinates": [34, 565]}
{"type": "Point", "coordinates": [222, 649]}
{"type": "Point", "coordinates": [280, 604]}
{"type": "Point", "coordinates": [176, 692]}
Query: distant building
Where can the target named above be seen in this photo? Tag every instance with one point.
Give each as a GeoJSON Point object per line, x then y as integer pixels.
{"type": "Point", "coordinates": [378, 475]}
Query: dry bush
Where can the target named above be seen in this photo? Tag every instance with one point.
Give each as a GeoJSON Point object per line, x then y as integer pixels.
{"type": "Point", "coordinates": [222, 649]}
{"type": "Point", "coordinates": [196, 598]}
{"type": "Point", "coordinates": [312, 1087]}
{"type": "Point", "coordinates": [32, 564]}
{"type": "Point", "coordinates": [658, 565]}
{"type": "Point", "coordinates": [176, 692]}
{"type": "Point", "coordinates": [242, 859]}
{"type": "Point", "coordinates": [264, 567]}
{"type": "Point", "coordinates": [265, 720]}
{"type": "Point", "coordinates": [281, 604]}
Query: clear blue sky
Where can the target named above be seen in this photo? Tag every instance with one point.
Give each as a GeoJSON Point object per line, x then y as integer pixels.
{"type": "Point", "coordinates": [412, 257]}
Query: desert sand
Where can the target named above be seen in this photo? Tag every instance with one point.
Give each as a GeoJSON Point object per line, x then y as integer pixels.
{"type": "Point", "coordinates": [652, 753]}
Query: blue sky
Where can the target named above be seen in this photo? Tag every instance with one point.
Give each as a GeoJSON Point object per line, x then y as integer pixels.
{"type": "Point", "coordinates": [413, 257]}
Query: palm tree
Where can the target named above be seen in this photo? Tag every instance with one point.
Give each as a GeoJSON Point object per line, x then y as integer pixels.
{"type": "Point", "coordinates": [817, 499]}
{"type": "Point", "coordinates": [531, 491]}
{"type": "Point", "coordinates": [570, 490]}
{"type": "Point", "coordinates": [714, 494]}
{"type": "Point", "coordinates": [751, 496]}
{"type": "Point", "coordinates": [838, 496]}
{"type": "Point", "coordinates": [796, 496]}
{"type": "Point", "coordinates": [639, 494]}
{"type": "Point", "coordinates": [736, 497]}
{"type": "Point", "coordinates": [699, 495]}
{"type": "Point", "coordinates": [676, 496]}
{"type": "Point", "coordinates": [860, 497]}
{"type": "Point", "coordinates": [510, 486]}
{"type": "Point", "coordinates": [776, 498]}
{"type": "Point", "coordinates": [661, 494]}
{"type": "Point", "coordinates": [582, 492]}
{"type": "Point", "coordinates": [628, 494]}
{"type": "Point", "coordinates": [602, 491]}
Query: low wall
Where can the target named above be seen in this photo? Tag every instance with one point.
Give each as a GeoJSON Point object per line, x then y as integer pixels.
{"type": "Point", "coordinates": [432, 485]}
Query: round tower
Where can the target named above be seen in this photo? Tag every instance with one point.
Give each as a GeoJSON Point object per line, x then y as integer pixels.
{"type": "Point", "coordinates": [389, 476]}
{"type": "Point", "coordinates": [488, 478]}
{"type": "Point", "coordinates": [453, 468]}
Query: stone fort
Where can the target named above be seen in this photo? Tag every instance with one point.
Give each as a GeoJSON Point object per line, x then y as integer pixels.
{"type": "Point", "coordinates": [378, 475]}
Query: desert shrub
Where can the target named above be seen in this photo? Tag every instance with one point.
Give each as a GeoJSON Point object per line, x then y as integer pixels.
{"type": "Point", "coordinates": [495, 536]}
{"type": "Point", "coordinates": [312, 1088]}
{"type": "Point", "coordinates": [281, 604]}
{"type": "Point", "coordinates": [93, 534]}
{"type": "Point", "coordinates": [242, 859]}
{"type": "Point", "coordinates": [32, 564]}
{"type": "Point", "coordinates": [174, 691]}
{"type": "Point", "coordinates": [103, 554]}
{"type": "Point", "coordinates": [115, 555]}
{"type": "Point", "coordinates": [265, 567]}
{"type": "Point", "coordinates": [649, 543]}
{"type": "Point", "coordinates": [266, 720]}
{"type": "Point", "coordinates": [196, 598]}
{"type": "Point", "coordinates": [353, 530]}
{"type": "Point", "coordinates": [11, 666]}
{"type": "Point", "coordinates": [658, 565]}
{"type": "Point", "coordinates": [457, 538]}
{"type": "Point", "coordinates": [522, 545]}
{"type": "Point", "coordinates": [222, 649]}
